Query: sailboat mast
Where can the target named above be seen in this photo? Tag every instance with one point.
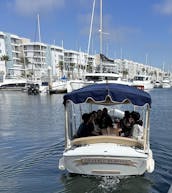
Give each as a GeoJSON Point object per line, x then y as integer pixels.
{"type": "Point", "coordinates": [39, 31]}
{"type": "Point", "coordinates": [101, 28]}
{"type": "Point", "coordinates": [101, 31]}
{"type": "Point", "coordinates": [39, 39]}
{"type": "Point", "coordinates": [90, 33]}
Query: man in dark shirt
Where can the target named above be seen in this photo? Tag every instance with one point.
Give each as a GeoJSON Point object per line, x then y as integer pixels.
{"type": "Point", "coordinates": [106, 121]}
{"type": "Point", "coordinates": [86, 128]}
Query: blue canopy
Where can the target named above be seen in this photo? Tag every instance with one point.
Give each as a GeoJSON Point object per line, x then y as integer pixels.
{"type": "Point", "coordinates": [109, 92]}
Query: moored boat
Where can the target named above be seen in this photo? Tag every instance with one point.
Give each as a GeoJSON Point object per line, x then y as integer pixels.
{"type": "Point", "coordinates": [157, 84]}
{"type": "Point", "coordinates": [58, 86]}
{"type": "Point", "coordinates": [143, 81]}
{"type": "Point", "coordinates": [166, 82]}
{"type": "Point", "coordinates": [108, 154]}
{"type": "Point", "coordinates": [13, 83]}
{"type": "Point", "coordinates": [98, 77]}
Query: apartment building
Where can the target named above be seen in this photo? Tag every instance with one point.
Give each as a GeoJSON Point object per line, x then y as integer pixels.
{"type": "Point", "coordinates": [10, 45]}
{"type": "Point", "coordinates": [39, 57]}
{"type": "Point", "coordinates": [34, 58]}
{"type": "Point", "coordinates": [77, 63]}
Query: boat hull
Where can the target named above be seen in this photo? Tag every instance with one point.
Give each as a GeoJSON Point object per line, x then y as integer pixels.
{"type": "Point", "coordinates": [76, 84]}
{"type": "Point", "coordinates": [143, 86]}
{"type": "Point", "coordinates": [105, 160]}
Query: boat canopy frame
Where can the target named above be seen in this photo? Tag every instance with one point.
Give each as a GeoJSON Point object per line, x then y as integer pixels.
{"type": "Point", "coordinates": [107, 94]}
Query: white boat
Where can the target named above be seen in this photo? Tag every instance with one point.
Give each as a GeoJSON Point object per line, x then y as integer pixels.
{"type": "Point", "coordinates": [143, 81]}
{"type": "Point", "coordinates": [104, 77]}
{"type": "Point", "coordinates": [36, 86]}
{"type": "Point", "coordinates": [92, 78]}
{"type": "Point", "coordinates": [76, 84]}
{"type": "Point", "coordinates": [12, 83]}
{"type": "Point", "coordinates": [166, 82]}
{"type": "Point", "coordinates": [58, 86]}
{"type": "Point", "coordinates": [157, 84]}
{"type": "Point", "coordinates": [106, 155]}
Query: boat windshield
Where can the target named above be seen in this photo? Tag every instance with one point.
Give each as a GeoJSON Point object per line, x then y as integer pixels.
{"type": "Point", "coordinates": [100, 78]}
{"type": "Point", "coordinates": [139, 78]}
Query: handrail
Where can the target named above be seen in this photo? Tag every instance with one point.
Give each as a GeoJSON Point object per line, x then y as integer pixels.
{"type": "Point", "coordinates": [107, 139]}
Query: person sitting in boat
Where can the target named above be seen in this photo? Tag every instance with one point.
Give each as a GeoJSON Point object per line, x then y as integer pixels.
{"type": "Point", "coordinates": [137, 131]}
{"type": "Point", "coordinates": [83, 128]}
{"type": "Point", "coordinates": [105, 122]}
{"type": "Point", "coordinates": [97, 121]}
{"type": "Point", "coordinates": [94, 120]}
{"type": "Point", "coordinates": [93, 124]}
{"type": "Point", "coordinates": [86, 128]}
{"type": "Point", "coordinates": [126, 124]}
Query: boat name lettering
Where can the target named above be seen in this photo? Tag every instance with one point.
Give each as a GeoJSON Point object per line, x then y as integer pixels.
{"type": "Point", "coordinates": [104, 161]}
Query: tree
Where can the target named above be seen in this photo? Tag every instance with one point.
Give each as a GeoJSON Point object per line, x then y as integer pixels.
{"type": "Point", "coordinates": [143, 70]}
{"type": "Point", "coordinates": [61, 67]}
{"type": "Point", "coordinates": [72, 66]}
{"type": "Point", "coordinates": [6, 59]}
{"type": "Point", "coordinates": [89, 68]}
{"type": "Point", "coordinates": [24, 61]}
{"type": "Point", "coordinates": [125, 73]}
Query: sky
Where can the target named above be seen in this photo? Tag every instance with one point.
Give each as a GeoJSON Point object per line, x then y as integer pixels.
{"type": "Point", "coordinates": [138, 30]}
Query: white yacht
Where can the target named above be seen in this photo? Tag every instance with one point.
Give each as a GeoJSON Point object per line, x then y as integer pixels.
{"type": "Point", "coordinates": [12, 83]}
{"type": "Point", "coordinates": [92, 78]}
{"type": "Point", "coordinates": [166, 82]}
{"type": "Point", "coordinates": [76, 84]}
{"type": "Point", "coordinates": [157, 84]}
{"type": "Point", "coordinates": [58, 86]}
{"type": "Point", "coordinates": [143, 81]}
{"type": "Point", "coordinates": [104, 77]}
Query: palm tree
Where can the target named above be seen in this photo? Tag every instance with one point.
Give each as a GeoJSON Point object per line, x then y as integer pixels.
{"type": "Point", "coordinates": [89, 68]}
{"type": "Point", "coordinates": [72, 66]}
{"type": "Point", "coordinates": [61, 68]}
{"type": "Point", "coordinates": [125, 73]}
{"type": "Point", "coordinates": [6, 59]}
{"type": "Point", "coordinates": [143, 70]}
{"type": "Point", "coordinates": [24, 61]}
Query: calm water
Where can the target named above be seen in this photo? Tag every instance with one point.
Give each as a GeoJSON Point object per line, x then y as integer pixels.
{"type": "Point", "coordinates": [32, 141]}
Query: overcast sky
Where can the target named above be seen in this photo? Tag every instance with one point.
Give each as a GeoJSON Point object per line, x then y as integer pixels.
{"type": "Point", "coordinates": [140, 30]}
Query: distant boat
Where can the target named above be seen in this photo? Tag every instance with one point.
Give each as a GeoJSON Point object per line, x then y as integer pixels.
{"type": "Point", "coordinates": [106, 155]}
{"type": "Point", "coordinates": [72, 85]}
{"type": "Point", "coordinates": [104, 77]}
{"type": "Point", "coordinates": [58, 86]}
{"type": "Point", "coordinates": [157, 84]}
{"type": "Point", "coordinates": [166, 82]}
{"type": "Point", "coordinates": [92, 78]}
{"type": "Point", "coordinates": [12, 83]}
{"type": "Point", "coordinates": [143, 81]}
{"type": "Point", "coordinates": [37, 86]}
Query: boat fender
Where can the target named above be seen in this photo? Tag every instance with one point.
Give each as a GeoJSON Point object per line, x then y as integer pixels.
{"type": "Point", "coordinates": [61, 164]}
{"type": "Point", "coordinates": [150, 163]}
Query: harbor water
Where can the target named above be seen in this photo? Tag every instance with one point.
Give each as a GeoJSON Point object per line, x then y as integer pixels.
{"type": "Point", "coordinates": [32, 141]}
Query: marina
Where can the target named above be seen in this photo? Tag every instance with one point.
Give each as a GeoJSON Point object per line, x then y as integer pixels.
{"type": "Point", "coordinates": [32, 142]}
{"type": "Point", "coordinates": [86, 120]}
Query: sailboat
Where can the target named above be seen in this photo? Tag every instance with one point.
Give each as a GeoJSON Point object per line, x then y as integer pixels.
{"type": "Point", "coordinates": [96, 77]}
